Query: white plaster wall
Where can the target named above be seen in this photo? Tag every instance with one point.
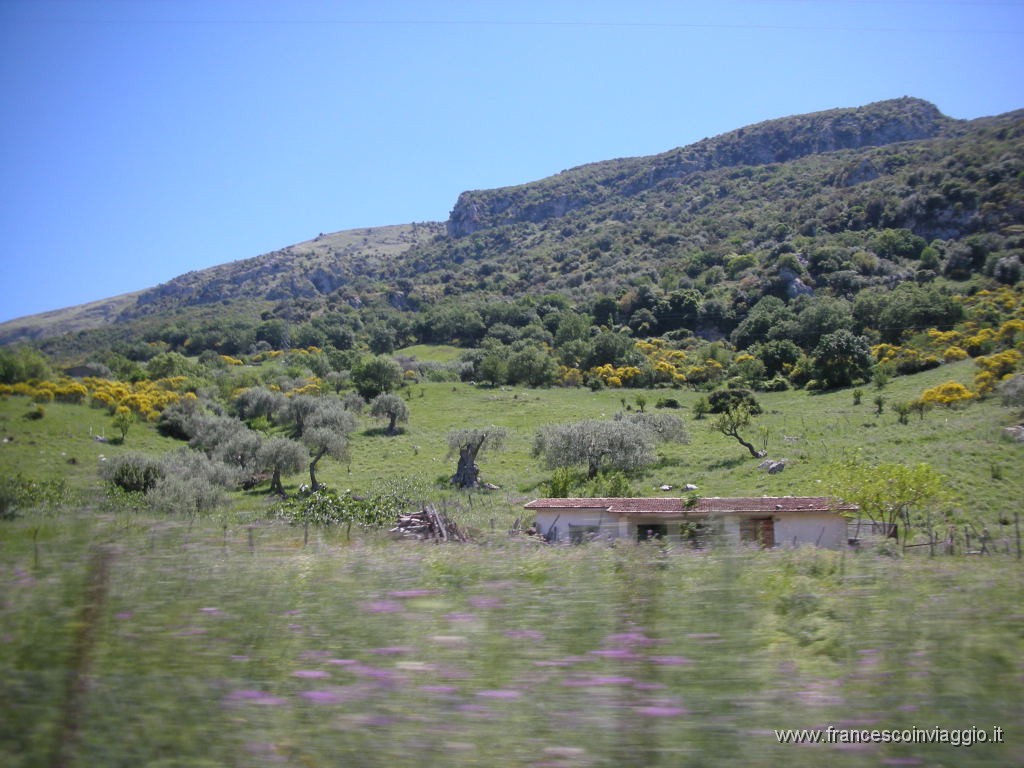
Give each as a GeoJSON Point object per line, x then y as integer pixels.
{"type": "Point", "coordinates": [826, 530]}
{"type": "Point", "coordinates": [564, 518]}
{"type": "Point", "coordinates": [731, 529]}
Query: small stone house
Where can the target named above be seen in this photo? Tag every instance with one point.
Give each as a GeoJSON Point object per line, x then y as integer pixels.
{"type": "Point", "coordinates": [766, 521]}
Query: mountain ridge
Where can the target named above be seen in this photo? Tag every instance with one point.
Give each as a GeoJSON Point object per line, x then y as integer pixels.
{"type": "Point", "coordinates": [770, 141]}
{"type": "Point", "coordinates": [759, 190]}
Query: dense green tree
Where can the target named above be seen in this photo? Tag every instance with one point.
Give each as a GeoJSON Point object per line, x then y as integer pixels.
{"type": "Point", "coordinates": [375, 375]}
{"type": "Point", "coordinates": [817, 317]}
{"type": "Point", "coordinates": [168, 364]}
{"type": "Point", "coordinates": [605, 311]}
{"type": "Point", "coordinates": [907, 309]}
{"type": "Point", "coordinates": [776, 355]}
{"type": "Point", "coordinates": [381, 338]}
{"type": "Point", "coordinates": [680, 309]}
{"type": "Point", "coordinates": [612, 348]}
{"type": "Point", "coordinates": [275, 333]}
{"type": "Point", "coordinates": [763, 322]}
{"type": "Point", "coordinates": [841, 358]}
{"type": "Point", "coordinates": [898, 244]}
{"type": "Point", "coordinates": [569, 326]}
{"type": "Point", "coordinates": [493, 367]}
{"type": "Point", "coordinates": [23, 364]}
{"type": "Point", "coordinates": [532, 366]}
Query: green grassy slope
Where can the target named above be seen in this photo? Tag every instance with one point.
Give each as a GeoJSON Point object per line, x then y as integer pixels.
{"type": "Point", "coordinates": [810, 430]}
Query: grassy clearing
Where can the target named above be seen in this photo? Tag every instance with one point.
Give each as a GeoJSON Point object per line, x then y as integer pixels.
{"type": "Point", "coordinates": [63, 444]}
{"type": "Point", "coordinates": [431, 353]}
{"type": "Point", "coordinates": [809, 430]}
{"type": "Point", "coordinates": [218, 645]}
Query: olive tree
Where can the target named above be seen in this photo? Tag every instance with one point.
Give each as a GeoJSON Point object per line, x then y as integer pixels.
{"type": "Point", "coordinates": [325, 430]}
{"type": "Point", "coordinates": [468, 444]}
{"type": "Point", "coordinates": [257, 402]}
{"type": "Point", "coordinates": [626, 443]}
{"type": "Point", "coordinates": [281, 456]}
{"type": "Point", "coordinates": [392, 408]}
{"type": "Point", "coordinates": [323, 441]}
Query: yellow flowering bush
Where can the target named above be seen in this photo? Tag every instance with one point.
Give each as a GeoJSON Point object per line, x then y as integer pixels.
{"type": "Point", "coordinates": [949, 394]}
{"type": "Point", "coordinates": [953, 353]}
{"type": "Point", "coordinates": [995, 368]}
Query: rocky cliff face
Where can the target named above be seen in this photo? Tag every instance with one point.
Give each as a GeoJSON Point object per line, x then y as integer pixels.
{"type": "Point", "coordinates": [774, 141]}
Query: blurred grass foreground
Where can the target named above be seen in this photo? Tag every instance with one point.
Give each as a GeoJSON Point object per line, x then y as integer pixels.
{"type": "Point", "coordinates": [127, 641]}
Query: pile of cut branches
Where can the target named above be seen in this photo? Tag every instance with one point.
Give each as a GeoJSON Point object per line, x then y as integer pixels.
{"type": "Point", "coordinates": [428, 525]}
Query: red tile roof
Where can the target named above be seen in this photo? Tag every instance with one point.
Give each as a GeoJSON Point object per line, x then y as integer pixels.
{"type": "Point", "coordinates": [711, 505]}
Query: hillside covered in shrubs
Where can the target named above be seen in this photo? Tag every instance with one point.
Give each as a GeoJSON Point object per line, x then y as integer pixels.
{"type": "Point", "coordinates": [816, 251]}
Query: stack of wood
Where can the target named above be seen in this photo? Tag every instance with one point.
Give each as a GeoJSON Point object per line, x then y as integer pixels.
{"type": "Point", "coordinates": [428, 525]}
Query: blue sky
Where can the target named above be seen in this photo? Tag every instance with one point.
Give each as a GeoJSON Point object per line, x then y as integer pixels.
{"type": "Point", "coordinates": [141, 139]}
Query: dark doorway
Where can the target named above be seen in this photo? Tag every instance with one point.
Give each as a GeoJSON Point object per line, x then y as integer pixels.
{"type": "Point", "coordinates": [649, 531]}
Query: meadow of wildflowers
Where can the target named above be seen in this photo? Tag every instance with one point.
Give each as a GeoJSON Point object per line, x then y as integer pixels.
{"type": "Point", "coordinates": [200, 650]}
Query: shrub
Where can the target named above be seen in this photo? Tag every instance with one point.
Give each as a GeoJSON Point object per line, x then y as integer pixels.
{"type": "Point", "coordinates": [18, 493]}
{"type": "Point", "coordinates": [994, 368]}
{"type": "Point", "coordinates": [778, 383]}
{"type": "Point", "coordinates": [133, 472]}
{"type": "Point", "coordinates": [191, 483]}
{"type": "Point", "coordinates": [727, 399]}
{"type": "Point", "coordinates": [951, 393]}
{"type": "Point", "coordinates": [701, 408]}
{"type": "Point", "coordinates": [954, 353]}
{"type": "Point", "coordinates": [1012, 391]}
{"type": "Point", "coordinates": [326, 507]}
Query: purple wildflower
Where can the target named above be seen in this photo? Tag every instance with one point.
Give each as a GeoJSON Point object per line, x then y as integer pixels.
{"type": "Point", "coordinates": [486, 602]}
{"type": "Point", "coordinates": [628, 638]}
{"type": "Point", "coordinates": [671, 661]}
{"type": "Point", "coordinates": [381, 606]}
{"type": "Point", "coordinates": [596, 680]}
{"type": "Point", "coordinates": [323, 697]}
{"type": "Point", "coordinates": [261, 698]}
{"type": "Point", "coordinates": [500, 693]}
